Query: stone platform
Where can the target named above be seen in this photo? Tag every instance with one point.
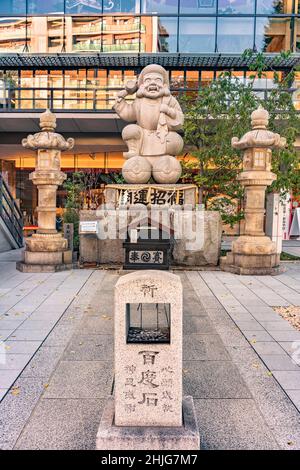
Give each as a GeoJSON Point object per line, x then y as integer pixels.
{"type": "Point", "coordinates": [186, 437]}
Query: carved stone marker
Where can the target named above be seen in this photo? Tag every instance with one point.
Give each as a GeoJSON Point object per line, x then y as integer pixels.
{"type": "Point", "coordinates": [148, 411]}
{"type": "Point", "coordinates": [152, 138]}
{"type": "Point", "coordinates": [148, 350]}
{"type": "Point", "coordinates": [254, 252]}
{"type": "Point", "coordinates": [47, 250]}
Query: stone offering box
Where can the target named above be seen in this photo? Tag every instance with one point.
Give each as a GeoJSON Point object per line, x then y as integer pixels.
{"type": "Point", "coordinates": [148, 411]}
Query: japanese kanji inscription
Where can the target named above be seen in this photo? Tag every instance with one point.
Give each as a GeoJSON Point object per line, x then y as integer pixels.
{"type": "Point", "coordinates": [148, 372]}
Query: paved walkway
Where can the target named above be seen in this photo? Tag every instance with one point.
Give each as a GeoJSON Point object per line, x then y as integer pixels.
{"type": "Point", "coordinates": [292, 247]}
{"type": "Point", "coordinates": [237, 363]}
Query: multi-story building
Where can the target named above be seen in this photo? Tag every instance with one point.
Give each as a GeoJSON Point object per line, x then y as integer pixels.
{"type": "Point", "coordinates": [73, 55]}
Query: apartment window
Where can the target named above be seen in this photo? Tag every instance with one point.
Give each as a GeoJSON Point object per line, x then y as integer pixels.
{"type": "Point", "coordinates": [13, 36]}
{"type": "Point", "coordinates": [86, 34]}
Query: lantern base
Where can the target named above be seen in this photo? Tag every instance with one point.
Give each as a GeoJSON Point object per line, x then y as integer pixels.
{"type": "Point", "coordinates": [112, 437]}
{"type": "Point", "coordinates": [230, 268]}
{"type": "Point", "coordinates": [45, 262]}
{"type": "Point", "coordinates": [252, 255]}
{"type": "Point", "coordinates": [46, 242]}
{"type": "Point", "coordinates": [43, 268]}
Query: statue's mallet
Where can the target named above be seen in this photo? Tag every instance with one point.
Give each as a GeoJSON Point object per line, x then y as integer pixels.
{"type": "Point", "coordinates": [130, 88]}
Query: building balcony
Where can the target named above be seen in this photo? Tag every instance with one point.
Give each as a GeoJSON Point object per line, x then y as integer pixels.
{"type": "Point", "coordinates": [14, 33]}
{"type": "Point", "coordinates": [86, 47]}
{"type": "Point", "coordinates": [131, 47]}
{"type": "Point", "coordinates": [13, 47]}
{"type": "Point", "coordinates": [121, 28]}
{"type": "Point", "coordinates": [88, 29]}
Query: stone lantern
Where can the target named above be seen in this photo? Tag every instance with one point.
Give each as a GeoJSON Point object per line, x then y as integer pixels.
{"type": "Point", "coordinates": [254, 252]}
{"type": "Point", "coordinates": [46, 250]}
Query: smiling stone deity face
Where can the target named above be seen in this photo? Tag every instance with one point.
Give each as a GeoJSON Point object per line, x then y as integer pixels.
{"type": "Point", "coordinates": [153, 85]}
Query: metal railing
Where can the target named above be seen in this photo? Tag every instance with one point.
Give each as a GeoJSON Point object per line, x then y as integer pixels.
{"type": "Point", "coordinates": [10, 213]}
{"type": "Point", "coordinates": [128, 47]}
{"type": "Point", "coordinates": [21, 99]}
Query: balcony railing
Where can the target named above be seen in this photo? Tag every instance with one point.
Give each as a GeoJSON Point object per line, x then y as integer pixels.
{"type": "Point", "coordinates": [112, 28]}
{"type": "Point", "coordinates": [22, 99]}
{"type": "Point", "coordinates": [128, 47]}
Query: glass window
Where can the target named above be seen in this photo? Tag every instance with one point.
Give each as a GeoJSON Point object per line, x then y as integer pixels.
{"type": "Point", "coordinates": [45, 34]}
{"type": "Point", "coordinates": [121, 34]}
{"type": "Point", "coordinates": [167, 35]}
{"type": "Point", "coordinates": [198, 6]}
{"type": "Point", "coordinates": [273, 34]}
{"type": "Point", "coordinates": [236, 6]}
{"type": "Point", "coordinates": [235, 34]}
{"type": "Point", "coordinates": [149, 34]}
{"type": "Point", "coordinates": [197, 34]}
{"type": "Point", "coordinates": [48, 6]}
{"type": "Point", "coordinates": [192, 79]}
{"type": "Point", "coordinates": [12, 34]}
{"type": "Point", "coordinates": [159, 6]}
{"type": "Point", "coordinates": [177, 79]}
{"type": "Point", "coordinates": [273, 7]}
{"type": "Point", "coordinates": [121, 6]}
{"type": "Point", "coordinates": [206, 78]}
{"type": "Point", "coordinates": [87, 6]}
{"type": "Point", "coordinates": [85, 34]}
{"type": "Point", "coordinates": [11, 7]}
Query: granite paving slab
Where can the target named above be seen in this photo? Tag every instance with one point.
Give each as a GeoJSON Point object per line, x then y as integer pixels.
{"type": "Point", "coordinates": [240, 403]}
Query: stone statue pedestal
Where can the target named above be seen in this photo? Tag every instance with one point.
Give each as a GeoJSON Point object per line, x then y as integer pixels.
{"type": "Point", "coordinates": [47, 250]}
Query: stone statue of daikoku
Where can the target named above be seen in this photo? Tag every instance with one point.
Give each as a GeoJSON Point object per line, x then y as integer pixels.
{"type": "Point", "coordinates": [152, 140]}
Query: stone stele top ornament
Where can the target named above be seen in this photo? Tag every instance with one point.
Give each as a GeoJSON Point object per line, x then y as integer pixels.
{"type": "Point", "coordinates": [259, 136]}
{"type": "Point", "coordinates": [152, 139]}
{"type": "Point", "coordinates": [47, 138]}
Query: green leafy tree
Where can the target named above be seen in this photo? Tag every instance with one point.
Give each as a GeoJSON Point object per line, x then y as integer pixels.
{"type": "Point", "coordinates": [218, 113]}
{"type": "Point", "coordinates": [74, 187]}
